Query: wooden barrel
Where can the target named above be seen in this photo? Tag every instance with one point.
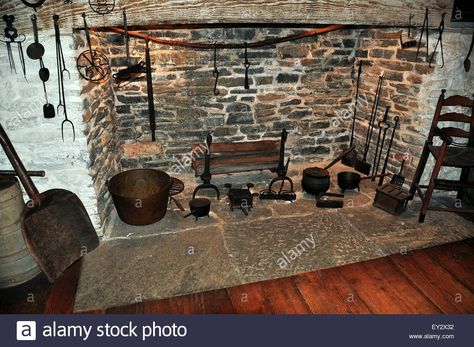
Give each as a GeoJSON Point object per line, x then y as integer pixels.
{"type": "Point", "coordinates": [16, 264]}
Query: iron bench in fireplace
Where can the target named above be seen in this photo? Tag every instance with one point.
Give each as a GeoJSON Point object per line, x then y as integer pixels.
{"type": "Point", "coordinates": [233, 157]}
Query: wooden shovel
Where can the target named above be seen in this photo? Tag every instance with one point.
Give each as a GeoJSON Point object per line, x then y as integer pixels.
{"type": "Point", "coordinates": [55, 224]}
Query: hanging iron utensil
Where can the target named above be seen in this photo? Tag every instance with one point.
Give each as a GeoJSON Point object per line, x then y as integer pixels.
{"type": "Point", "coordinates": [11, 37]}
{"type": "Point", "coordinates": [410, 42]}
{"type": "Point", "coordinates": [129, 74]}
{"type": "Point", "coordinates": [48, 109]}
{"type": "Point", "coordinates": [92, 64]}
{"type": "Point", "coordinates": [43, 72]}
{"type": "Point", "coordinates": [149, 87]}
{"type": "Point", "coordinates": [247, 65]}
{"type": "Point", "coordinates": [424, 28]}
{"type": "Point", "coordinates": [35, 50]}
{"type": "Point", "coordinates": [102, 6]}
{"type": "Point", "coordinates": [59, 48]}
{"type": "Point", "coordinates": [467, 62]}
{"type": "Point", "coordinates": [383, 127]}
{"type": "Point", "coordinates": [440, 42]}
{"type": "Point", "coordinates": [395, 124]}
{"type": "Point", "coordinates": [215, 73]}
{"type": "Point", "coordinates": [351, 158]}
{"type": "Point", "coordinates": [61, 68]}
{"type": "Point", "coordinates": [33, 4]}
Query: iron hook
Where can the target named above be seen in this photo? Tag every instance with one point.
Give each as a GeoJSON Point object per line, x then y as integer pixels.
{"type": "Point", "coordinates": [215, 73]}
{"type": "Point", "coordinates": [247, 65]}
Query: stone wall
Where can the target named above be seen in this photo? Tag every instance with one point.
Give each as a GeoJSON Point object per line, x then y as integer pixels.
{"type": "Point", "coordinates": [99, 106]}
{"type": "Point", "coordinates": [301, 85]}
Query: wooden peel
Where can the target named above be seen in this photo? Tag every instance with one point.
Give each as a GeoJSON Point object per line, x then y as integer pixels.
{"type": "Point", "coordinates": [55, 224]}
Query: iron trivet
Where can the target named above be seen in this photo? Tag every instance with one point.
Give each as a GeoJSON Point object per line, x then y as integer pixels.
{"type": "Point", "coordinates": [241, 198]}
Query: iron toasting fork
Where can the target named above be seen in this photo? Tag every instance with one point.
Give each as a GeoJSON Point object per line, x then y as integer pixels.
{"type": "Point", "coordinates": [61, 68]}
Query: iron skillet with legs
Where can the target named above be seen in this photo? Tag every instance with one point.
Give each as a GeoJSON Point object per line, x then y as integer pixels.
{"type": "Point", "coordinates": [241, 198]}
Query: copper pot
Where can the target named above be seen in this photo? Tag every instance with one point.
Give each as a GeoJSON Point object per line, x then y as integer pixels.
{"type": "Point", "coordinates": [141, 195]}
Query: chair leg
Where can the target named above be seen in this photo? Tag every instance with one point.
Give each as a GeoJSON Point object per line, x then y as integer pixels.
{"type": "Point", "coordinates": [463, 178]}
{"type": "Point", "coordinates": [431, 185]}
{"type": "Point", "coordinates": [419, 170]}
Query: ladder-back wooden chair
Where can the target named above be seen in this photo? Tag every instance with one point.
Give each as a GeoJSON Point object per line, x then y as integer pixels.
{"type": "Point", "coordinates": [450, 153]}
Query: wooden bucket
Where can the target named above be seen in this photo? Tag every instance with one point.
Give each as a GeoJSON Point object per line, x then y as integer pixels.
{"type": "Point", "coordinates": [16, 264]}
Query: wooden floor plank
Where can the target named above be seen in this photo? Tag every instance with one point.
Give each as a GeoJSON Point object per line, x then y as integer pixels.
{"type": "Point", "coordinates": [384, 289]}
{"type": "Point", "coordinates": [284, 297]}
{"type": "Point", "coordinates": [327, 292]}
{"type": "Point", "coordinates": [457, 258]}
{"type": "Point", "coordinates": [249, 299]}
{"type": "Point", "coordinates": [62, 294]}
{"type": "Point", "coordinates": [98, 311]}
{"type": "Point", "coordinates": [136, 308]}
{"type": "Point", "coordinates": [217, 302]}
{"type": "Point", "coordinates": [157, 307]}
{"type": "Point", "coordinates": [187, 304]}
{"type": "Point", "coordinates": [435, 282]}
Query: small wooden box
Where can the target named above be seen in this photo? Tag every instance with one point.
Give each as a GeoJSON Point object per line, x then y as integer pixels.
{"type": "Point", "coordinates": [391, 198]}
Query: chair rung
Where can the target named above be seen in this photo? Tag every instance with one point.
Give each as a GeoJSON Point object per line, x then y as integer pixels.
{"type": "Point", "coordinates": [452, 184]}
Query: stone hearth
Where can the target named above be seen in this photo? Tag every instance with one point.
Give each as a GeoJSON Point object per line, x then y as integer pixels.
{"type": "Point", "coordinates": [179, 256]}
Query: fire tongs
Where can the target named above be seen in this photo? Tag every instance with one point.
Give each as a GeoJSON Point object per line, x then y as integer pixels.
{"type": "Point", "coordinates": [206, 175]}
{"type": "Point", "coordinates": [281, 170]}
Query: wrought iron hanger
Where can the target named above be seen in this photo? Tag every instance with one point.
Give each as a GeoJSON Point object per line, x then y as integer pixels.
{"type": "Point", "coordinates": [425, 27]}
{"type": "Point", "coordinates": [440, 41]}
{"type": "Point", "coordinates": [215, 73]}
{"type": "Point", "coordinates": [247, 65]}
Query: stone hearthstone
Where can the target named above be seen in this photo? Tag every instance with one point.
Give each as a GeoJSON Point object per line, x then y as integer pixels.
{"type": "Point", "coordinates": [180, 256]}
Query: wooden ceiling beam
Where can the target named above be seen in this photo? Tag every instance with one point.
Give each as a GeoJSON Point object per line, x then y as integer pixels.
{"type": "Point", "coordinates": [174, 12]}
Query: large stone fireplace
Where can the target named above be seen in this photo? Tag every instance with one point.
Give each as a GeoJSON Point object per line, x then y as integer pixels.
{"type": "Point", "coordinates": [306, 86]}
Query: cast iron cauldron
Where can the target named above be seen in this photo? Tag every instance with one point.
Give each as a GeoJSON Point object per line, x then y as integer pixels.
{"type": "Point", "coordinates": [316, 180]}
{"type": "Point", "coordinates": [140, 195]}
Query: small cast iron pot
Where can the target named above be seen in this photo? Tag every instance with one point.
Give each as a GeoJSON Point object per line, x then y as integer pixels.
{"type": "Point", "coordinates": [200, 207]}
{"type": "Point", "coordinates": [348, 180]}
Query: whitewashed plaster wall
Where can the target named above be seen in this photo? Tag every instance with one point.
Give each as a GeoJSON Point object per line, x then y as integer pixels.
{"type": "Point", "coordinates": [451, 77]}
{"type": "Point", "coordinates": [38, 140]}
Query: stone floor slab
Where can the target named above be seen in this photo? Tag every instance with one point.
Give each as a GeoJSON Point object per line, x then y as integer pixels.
{"type": "Point", "coordinates": [123, 271]}
{"type": "Point", "coordinates": [259, 246]}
